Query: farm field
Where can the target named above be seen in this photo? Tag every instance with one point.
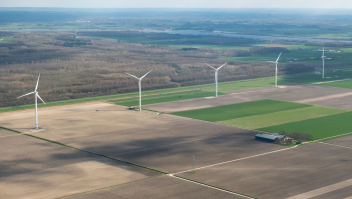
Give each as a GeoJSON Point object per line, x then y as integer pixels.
{"type": "Point", "coordinates": [282, 117]}
{"type": "Point", "coordinates": [341, 84]}
{"type": "Point", "coordinates": [308, 171]}
{"type": "Point", "coordinates": [240, 110]}
{"type": "Point", "coordinates": [342, 57]}
{"type": "Point", "coordinates": [6, 39]}
{"type": "Point", "coordinates": [30, 165]}
{"type": "Point", "coordinates": [167, 42]}
{"type": "Point", "coordinates": [243, 85]}
{"type": "Point", "coordinates": [276, 116]}
{"type": "Point", "coordinates": [222, 86]}
{"type": "Point", "coordinates": [321, 127]}
{"type": "Point", "coordinates": [165, 142]}
{"type": "Point", "coordinates": [161, 142]}
{"type": "Point", "coordinates": [160, 98]}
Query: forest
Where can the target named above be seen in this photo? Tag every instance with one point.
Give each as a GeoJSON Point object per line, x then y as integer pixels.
{"type": "Point", "coordinates": [81, 65]}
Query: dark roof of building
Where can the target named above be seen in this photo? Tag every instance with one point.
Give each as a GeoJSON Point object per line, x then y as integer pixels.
{"type": "Point", "coordinates": [269, 136]}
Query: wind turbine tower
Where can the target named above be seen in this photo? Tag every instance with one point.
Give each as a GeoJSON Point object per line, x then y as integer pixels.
{"type": "Point", "coordinates": [35, 92]}
{"type": "Point", "coordinates": [276, 62]}
{"type": "Point", "coordinates": [323, 58]}
{"type": "Point", "coordinates": [216, 77]}
{"type": "Point", "coordinates": [140, 85]}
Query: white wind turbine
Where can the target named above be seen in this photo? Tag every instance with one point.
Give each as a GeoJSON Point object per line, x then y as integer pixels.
{"type": "Point", "coordinates": [140, 90]}
{"type": "Point", "coordinates": [323, 58]}
{"type": "Point", "coordinates": [35, 99]}
{"type": "Point", "coordinates": [216, 77]}
{"type": "Point", "coordinates": [276, 62]}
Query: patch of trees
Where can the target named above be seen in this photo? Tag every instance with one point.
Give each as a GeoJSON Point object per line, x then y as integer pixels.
{"type": "Point", "coordinates": [260, 51]}
{"type": "Point", "coordinates": [177, 38]}
{"type": "Point", "coordinates": [302, 137]}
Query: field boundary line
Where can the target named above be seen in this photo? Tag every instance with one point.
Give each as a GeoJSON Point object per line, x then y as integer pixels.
{"type": "Point", "coordinates": [327, 97]}
{"type": "Point", "coordinates": [235, 160]}
{"type": "Point", "coordinates": [210, 186]}
{"type": "Point", "coordinates": [347, 147]}
{"type": "Point", "coordinates": [323, 139]}
{"type": "Point", "coordinates": [333, 81]}
{"type": "Point", "coordinates": [323, 190]}
{"type": "Point", "coordinates": [84, 150]}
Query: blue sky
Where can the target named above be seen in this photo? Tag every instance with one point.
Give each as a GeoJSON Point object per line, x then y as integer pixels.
{"type": "Point", "coordinates": [179, 3]}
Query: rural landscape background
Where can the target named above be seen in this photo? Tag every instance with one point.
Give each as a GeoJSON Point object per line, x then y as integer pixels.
{"type": "Point", "coordinates": [86, 52]}
{"type": "Point", "coordinates": [255, 133]}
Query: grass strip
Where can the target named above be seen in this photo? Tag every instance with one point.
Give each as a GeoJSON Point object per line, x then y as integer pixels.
{"type": "Point", "coordinates": [246, 109]}
{"type": "Point", "coordinates": [341, 84]}
{"type": "Point", "coordinates": [165, 98]}
{"type": "Point", "coordinates": [319, 128]}
{"type": "Point", "coordinates": [282, 117]}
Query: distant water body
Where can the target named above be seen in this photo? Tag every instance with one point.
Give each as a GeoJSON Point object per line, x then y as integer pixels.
{"type": "Point", "coordinates": [194, 32]}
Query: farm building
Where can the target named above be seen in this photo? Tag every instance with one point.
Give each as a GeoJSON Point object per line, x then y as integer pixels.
{"type": "Point", "coordinates": [269, 137]}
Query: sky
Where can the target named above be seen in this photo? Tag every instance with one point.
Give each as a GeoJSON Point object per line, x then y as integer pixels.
{"type": "Point", "coordinates": [179, 3]}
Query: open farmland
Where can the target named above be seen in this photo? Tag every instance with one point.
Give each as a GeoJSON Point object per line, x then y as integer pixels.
{"type": "Point", "coordinates": [341, 84]}
{"type": "Point", "coordinates": [34, 168]}
{"type": "Point", "coordinates": [311, 56]}
{"type": "Point", "coordinates": [282, 117]}
{"type": "Point", "coordinates": [168, 97]}
{"type": "Point", "coordinates": [276, 116]}
{"type": "Point", "coordinates": [223, 153]}
{"type": "Point", "coordinates": [246, 109]}
{"type": "Point", "coordinates": [321, 127]}
{"type": "Point", "coordinates": [312, 171]}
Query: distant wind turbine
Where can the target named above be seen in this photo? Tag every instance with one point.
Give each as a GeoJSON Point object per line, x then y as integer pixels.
{"type": "Point", "coordinates": [216, 77]}
{"type": "Point", "coordinates": [140, 90]}
{"type": "Point", "coordinates": [35, 97]}
{"type": "Point", "coordinates": [276, 62]}
{"type": "Point", "coordinates": [323, 58]}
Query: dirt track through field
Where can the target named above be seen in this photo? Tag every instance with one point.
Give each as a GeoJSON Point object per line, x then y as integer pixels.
{"type": "Point", "coordinates": [324, 98]}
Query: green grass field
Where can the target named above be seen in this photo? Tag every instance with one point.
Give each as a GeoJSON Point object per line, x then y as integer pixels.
{"type": "Point", "coordinates": [282, 117]}
{"type": "Point", "coordinates": [243, 85]}
{"type": "Point", "coordinates": [345, 57]}
{"type": "Point", "coordinates": [233, 111]}
{"type": "Point", "coordinates": [321, 127]}
{"type": "Point", "coordinates": [167, 97]}
{"type": "Point", "coordinates": [6, 39]}
{"type": "Point", "coordinates": [341, 84]}
{"type": "Point", "coordinates": [274, 116]}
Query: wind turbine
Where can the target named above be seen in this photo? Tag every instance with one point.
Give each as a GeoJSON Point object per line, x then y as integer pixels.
{"type": "Point", "coordinates": [323, 58]}
{"type": "Point", "coordinates": [140, 90]}
{"type": "Point", "coordinates": [216, 77]}
{"type": "Point", "coordinates": [276, 68]}
{"type": "Point", "coordinates": [35, 99]}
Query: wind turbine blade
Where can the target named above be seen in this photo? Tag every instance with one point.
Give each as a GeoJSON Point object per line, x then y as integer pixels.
{"type": "Point", "coordinates": [146, 74]}
{"type": "Point", "coordinates": [222, 66]}
{"type": "Point", "coordinates": [40, 98]}
{"type": "Point", "coordinates": [37, 84]}
{"type": "Point", "coordinates": [132, 76]}
{"type": "Point", "coordinates": [278, 57]}
{"type": "Point", "coordinates": [271, 61]}
{"type": "Point", "coordinates": [323, 52]}
{"type": "Point", "coordinates": [26, 94]}
{"type": "Point", "coordinates": [210, 66]}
